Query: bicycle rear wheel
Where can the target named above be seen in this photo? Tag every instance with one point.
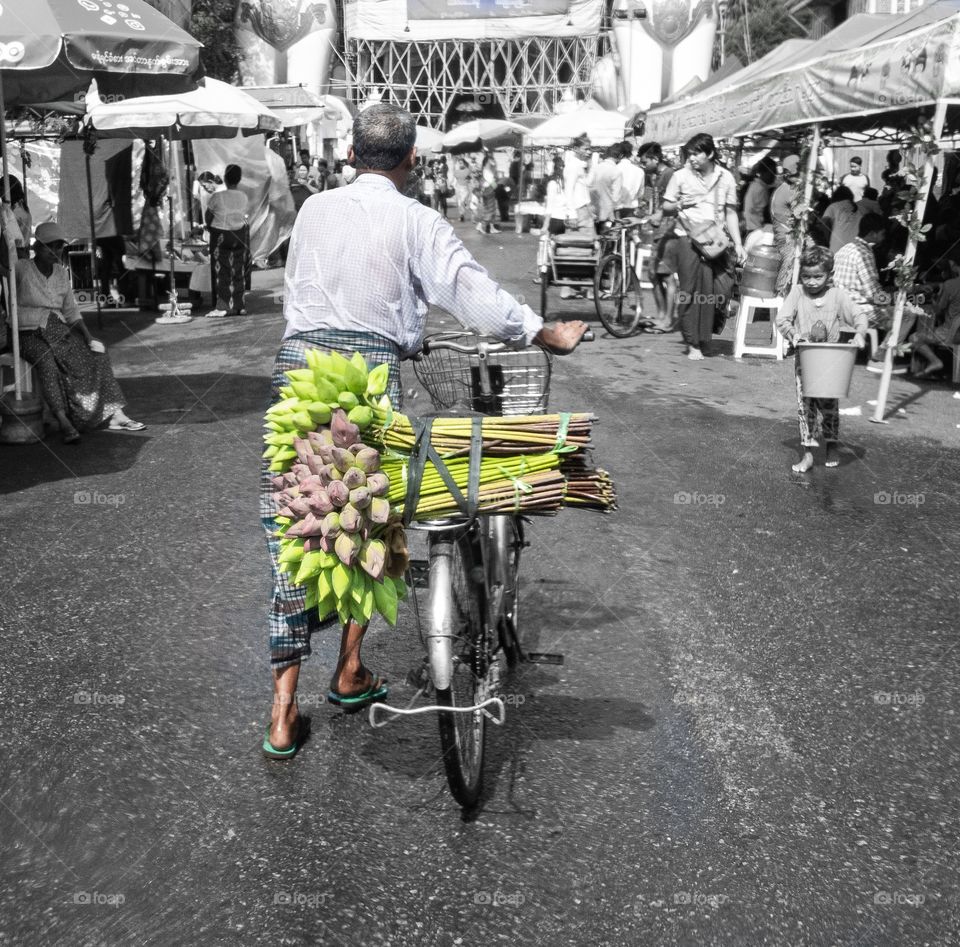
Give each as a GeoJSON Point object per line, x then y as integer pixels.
{"type": "Point", "coordinates": [456, 614]}
{"type": "Point", "coordinates": [616, 296]}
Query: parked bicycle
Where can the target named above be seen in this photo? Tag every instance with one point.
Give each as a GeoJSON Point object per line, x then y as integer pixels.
{"type": "Point", "coordinates": [472, 623]}
{"type": "Point", "coordinates": [617, 292]}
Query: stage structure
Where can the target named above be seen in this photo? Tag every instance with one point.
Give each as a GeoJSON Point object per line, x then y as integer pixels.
{"type": "Point", "coordinates": [451, 60]}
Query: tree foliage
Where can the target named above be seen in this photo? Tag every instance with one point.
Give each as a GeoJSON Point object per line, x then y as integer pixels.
{"type": "Point", "coordinates": [769, 24]}
{"type": "Point", "coordinates": [212, 23]}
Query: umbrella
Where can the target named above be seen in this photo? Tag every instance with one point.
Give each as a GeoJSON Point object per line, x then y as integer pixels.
{"type": "Point", "coordinates": [215, 110]}
{"type": "Point", "coordinates": [293, 104]}
{"type": "Point", "coordinates": [600, 126]}
{"type": "Point", "coordinates": [428, 139]}
{"type": "Point", "coordinates": [482, 133]}
{"type": "Point", "coordinates": [51, 49]}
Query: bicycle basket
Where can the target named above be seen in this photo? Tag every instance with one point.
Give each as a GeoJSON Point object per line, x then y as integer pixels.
{"type": "Point", "coordinates": [519, 378]}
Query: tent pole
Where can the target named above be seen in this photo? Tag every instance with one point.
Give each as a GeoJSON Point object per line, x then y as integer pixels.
{"type": "Point", "coordinates": [807, 197]}
{"type": "Point", "coordinates": [94, 269]}
{"type": "Point", "coordinates": [939, 118]}
{"type": "Point", "coordinates": [12, 257]}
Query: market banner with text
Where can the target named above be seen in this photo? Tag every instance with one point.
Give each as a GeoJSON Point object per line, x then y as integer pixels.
{"type": "Point", "coordinates": [479, 9]}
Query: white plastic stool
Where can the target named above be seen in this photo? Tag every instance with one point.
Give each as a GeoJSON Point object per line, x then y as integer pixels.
{"type": "Point", "coordinates": [748, 305]}
{"type": "Point", "coordinates": [26, 373]}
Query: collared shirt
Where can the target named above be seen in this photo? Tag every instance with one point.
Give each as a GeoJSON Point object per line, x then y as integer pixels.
{"type": "Point", "coordinates": [714, 194]}
{"type": "Point", "coordinates": [39, 295]}
{"type": "Point", "coordinates": [855, 269]}
{"type": "Point", "coordinates": [575, 181]}
{"type": "Point", "coordinates": [366, 258]}
{"type": "Point", "coordinates": [632, 181]}
{"type": "Point", "coordinates": [606, 187]}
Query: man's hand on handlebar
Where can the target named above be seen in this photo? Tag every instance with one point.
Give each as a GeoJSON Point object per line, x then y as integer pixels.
{"type": "Point", "coordinates": [561, 338]}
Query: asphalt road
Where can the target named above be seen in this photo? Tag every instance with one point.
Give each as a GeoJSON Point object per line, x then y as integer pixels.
{"type": "Point", "coordinates": [752, 739]}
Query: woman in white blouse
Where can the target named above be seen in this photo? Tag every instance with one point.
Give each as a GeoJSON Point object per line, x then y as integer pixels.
{"type": "Point", "coordinates": [226, 218]}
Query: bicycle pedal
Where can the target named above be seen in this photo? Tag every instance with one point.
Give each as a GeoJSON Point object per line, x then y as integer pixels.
{"type": "Point", "coordinates": [419, 570]}
{"type": "Point", "coordinates": [543, 657]}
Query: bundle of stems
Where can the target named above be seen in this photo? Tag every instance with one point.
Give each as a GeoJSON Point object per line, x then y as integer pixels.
{"type": "Point", "coordinates": [505, 436]}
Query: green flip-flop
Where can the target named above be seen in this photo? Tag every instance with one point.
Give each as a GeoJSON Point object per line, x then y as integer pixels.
{"type": "Point", "coordinates": [378, 690]}
{"type": "Point", "coordinates": [272, 753]}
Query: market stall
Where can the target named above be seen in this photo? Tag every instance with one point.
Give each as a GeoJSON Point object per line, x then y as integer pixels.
{"type": "Point", "coordinates": [893, 78]}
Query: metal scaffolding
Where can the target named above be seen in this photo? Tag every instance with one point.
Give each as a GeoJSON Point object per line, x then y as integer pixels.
{"type": "Point", "coordinates": [524, 76]}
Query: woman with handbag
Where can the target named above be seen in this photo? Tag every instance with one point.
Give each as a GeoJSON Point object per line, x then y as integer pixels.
{"type": "Point", "coordinates": [703, 196]}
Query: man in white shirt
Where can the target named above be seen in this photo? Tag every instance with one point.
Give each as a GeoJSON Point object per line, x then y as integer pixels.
{"type": "Point", "coordinates": [632, 181]}
{"type": "Point", "coordinates": [575, 187]}
{"type": "Point", "coordinates": [364, 264]}
{"type": "Point", "coordinates": [855, 179]}
{"type": "Point", "coordinates": [606, 186]}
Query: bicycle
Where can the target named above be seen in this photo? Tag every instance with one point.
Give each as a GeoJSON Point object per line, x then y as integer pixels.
{"type": "Point", "coordinates": [473, 563]}
{"type": "Point", "coordinates": [616, 283]}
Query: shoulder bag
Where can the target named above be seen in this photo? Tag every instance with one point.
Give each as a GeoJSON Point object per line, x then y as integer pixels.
{"type": "Point", "coordinates": [709, 239]}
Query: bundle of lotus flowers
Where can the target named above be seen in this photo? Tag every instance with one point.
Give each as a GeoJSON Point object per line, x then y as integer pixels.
{"type": "Point", "coordinates": [343, 459]}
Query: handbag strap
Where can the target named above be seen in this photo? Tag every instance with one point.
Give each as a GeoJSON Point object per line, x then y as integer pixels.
{"type": "Point", "coordinates": [684, 217]}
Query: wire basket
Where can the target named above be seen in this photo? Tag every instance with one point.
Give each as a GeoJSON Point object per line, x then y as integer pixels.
{"type": "Point", "coordinates": [519, 378]}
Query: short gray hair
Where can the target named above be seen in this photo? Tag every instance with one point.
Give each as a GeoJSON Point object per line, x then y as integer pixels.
{"type": "Point", "coordinates": [383, 135]}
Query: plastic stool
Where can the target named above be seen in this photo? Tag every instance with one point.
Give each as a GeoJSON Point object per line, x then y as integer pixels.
{"type": "Point", "coordinates": [748, 306]}
{"type": "Point", "coordinates": [26, 373]}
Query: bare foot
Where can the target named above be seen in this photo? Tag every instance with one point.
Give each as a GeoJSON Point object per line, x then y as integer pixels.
{"type": "Point", "coordinates": [804, 464]}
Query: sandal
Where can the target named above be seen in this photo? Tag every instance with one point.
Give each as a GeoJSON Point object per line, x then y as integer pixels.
{"type": "Point", "coordinates": [127, 424]}
{"type": "Point", "coordinates": [272, 753]}
{"type": "Point", "coordinates": [377, 691]}
{"type": "Point", "coordinates": [71, 436]}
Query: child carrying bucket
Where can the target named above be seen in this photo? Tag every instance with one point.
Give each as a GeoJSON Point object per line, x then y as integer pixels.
{"type": "Point", "coordinates": [814, 311]}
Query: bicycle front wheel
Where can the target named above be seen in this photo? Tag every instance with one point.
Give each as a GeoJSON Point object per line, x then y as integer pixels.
{"type": "Point", "coordinates": [616, 295]}
{"type": "Point", "coordinates": [457, 626]}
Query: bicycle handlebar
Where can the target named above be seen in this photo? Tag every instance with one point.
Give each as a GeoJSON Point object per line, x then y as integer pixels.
{"type": "Point", "coordinates": [480, 347]}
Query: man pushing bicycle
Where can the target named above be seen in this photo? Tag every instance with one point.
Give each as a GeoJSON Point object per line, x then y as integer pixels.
{"type": "Point", "coordinates": [364, 265]}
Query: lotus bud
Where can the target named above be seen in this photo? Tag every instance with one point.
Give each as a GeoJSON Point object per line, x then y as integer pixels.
{"type": "Point", "coordinates": [312, 544]}
{"type": "Point", "coordinates": [300, 471]}
{"type": "Point", "coordinates": [360, 498]}
{"type": "Point", "coordinates": [303, 449]}
{"type": "Point", "coordinates": [377, 380]}
{"type": "Point", "coordinates": [315, 464]}
{"type": "Point", "coordinates": [338, 493]}
{"type": "Point", "coordinates": [344, 433]}
{"type": "Point", "coordinates": [378, 484]}
{"type": "Point", "coordinates": [287, 512]}
{"type": "Point", "coordinates": [278, 482]}
{"type": "Point", "coordinates": [361, 415]}
{"type": "Point", "coordinates": [354, 477]}
{"type": "Point", "coordinates": [343, 460]}
{"type": "Point", "coordinates": [326, 544]}
{"type": "Point", "coordinates": [300, 507]}
{"type": "Point", "coordinates": [320, 503]}
{"type": "Point", "coordinates": [373, 558]}
{"type": "Point", "coordinates": [347, 547]}
{"type": "Point", "coordinates": [331, 525]}
{"type": "Point", "coordinates": [379, 510]}
{"type": "Point", "coordinates": [312, 526]}
{"type": "Point", "coordinates": [348, 400]}
{"type": "Point", "coordinates": [295, 529]}
{"type": "Point", "coordinates": [290, 478]}
{"type": "Point", "coordinates": [351, 519]}
{"type": "Point", "coordinates": [326, 453]}
{"type": "Point", "coordinates": [310, 486]}
{"type": "Point", "coordinates": [368, 459]}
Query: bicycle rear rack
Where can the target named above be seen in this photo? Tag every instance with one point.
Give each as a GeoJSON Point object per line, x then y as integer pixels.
{"type": "Point", "coordinates": [410, 710]}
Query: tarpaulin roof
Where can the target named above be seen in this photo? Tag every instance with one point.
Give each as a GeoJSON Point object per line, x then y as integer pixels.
{"type": "Point", "coordinates": [869, 65]}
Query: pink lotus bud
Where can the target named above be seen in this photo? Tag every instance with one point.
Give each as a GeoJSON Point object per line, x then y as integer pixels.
{"type": "Point", "coordinates": [338, 493]}
{"type": "Point", "coordinates": [373, 558]}
{"type": "Point", "coordinates": [360, 498]}
{"type": "Point", "coordinates": [331, 525]}
{"type": "Point", "coordinates": [342, 459]}
{"type": "Point", "coordinates": [347, 547]}
{"type": "Point", "coordinates": [354, 477]}
{"type": "Point", "coordinates": [351, 519]}
{"type": "Point", "coordinates": [303, 449]}
{"type": "Point", "coordinates": [379, 510]}
{"type": "Point", "coordinates": [368, 459]}
{"type": "Point", "coordinates": [320, 503]}
{"type": "Point", "coordinates": [378, 484]}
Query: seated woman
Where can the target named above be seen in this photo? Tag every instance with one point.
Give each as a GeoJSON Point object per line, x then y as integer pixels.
{"type": "Point", "coordinates": [75, 372]}
{"type": "Point", "coordinates": [943, 329]}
